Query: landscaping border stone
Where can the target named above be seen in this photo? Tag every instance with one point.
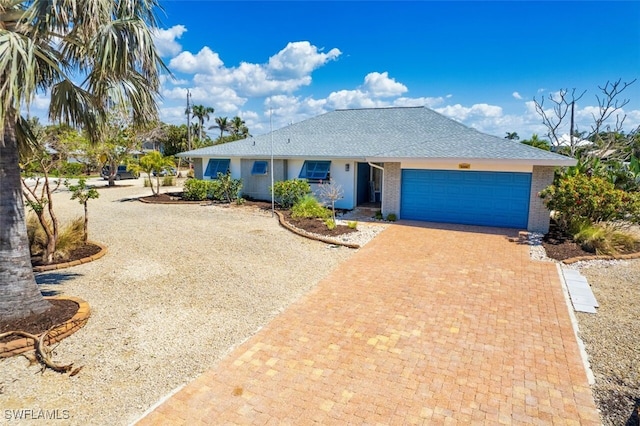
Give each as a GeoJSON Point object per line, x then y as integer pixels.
{"type": "Point", "coordinates": [102, 252]}
{"type": "Point", "coordinates": [302, 233]}
{"type": "Point", "coordinates": [67, 328]}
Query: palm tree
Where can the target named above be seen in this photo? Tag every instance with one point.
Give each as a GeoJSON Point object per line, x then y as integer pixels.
{"type": "Point", "coordinates": [535, 141]}
{"type": "Point", "coordinates": [223, 124]}
{"type": "Point", "coordinates": [512, 136]}
{"type": "Point", "coordinates": [107, 45]}
{"type": "Point", "coordinates": [201, 112]}
{"type": "Point", "coordinates": [238, 128]}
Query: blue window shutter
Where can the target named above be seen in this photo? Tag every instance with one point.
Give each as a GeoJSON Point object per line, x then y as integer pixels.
{"type": "Point", "coordinates": [315, 171]}
{"type": "Point", "coordinates": [259, 168]}
{"type": "Point", "coordinates": [216, 166]}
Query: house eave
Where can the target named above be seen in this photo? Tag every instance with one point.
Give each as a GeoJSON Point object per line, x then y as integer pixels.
{"type": "Point", "coordinates": [560, 162]}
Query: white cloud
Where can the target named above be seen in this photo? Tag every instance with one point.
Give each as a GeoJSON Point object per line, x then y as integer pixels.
{"type": "Point", "coordinates": [165, 40]}
{"type": "Point", "coordinates": [423, 101]}
{"type": "Point", "coordinates": [516, 95]}
{"type": "Point", "coordinates": [380, 85]}
{"type": "Point", "coordinates": [205, 61]}
{"type": "Point", "coordinates": [462, 113]}
{"type": "Point", "coordinates": [298, 59]}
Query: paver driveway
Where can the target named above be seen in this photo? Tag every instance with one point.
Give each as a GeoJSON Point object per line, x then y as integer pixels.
{"type": "Point", "coordinates": [426, 324]}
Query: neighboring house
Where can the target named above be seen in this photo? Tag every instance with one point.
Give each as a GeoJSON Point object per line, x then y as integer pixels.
{"type": "Point", "coordinates": [413, 161]}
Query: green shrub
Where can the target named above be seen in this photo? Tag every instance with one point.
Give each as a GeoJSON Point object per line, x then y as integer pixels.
{"type": "Point", "coordinates": [583, 197]}
{"type": "Point", "coordinates": [168, 181]}
{"type": "Point", "coordinates": [72, 169]}
{"type": "Point", "coordinates": [195, 190]}
{"type": "Point", "coordinates": [391, 217]}
{"type": "Point", "coordinates": [227, 188]}
{"type": "Point", "coordinates": [352, 224]}
{"type": "Point", "coordinates": [331, 224]}
{"type": "Point", "coordinates": [632, 206]}
{"type": "Point", "coordinates": [288, 192]}
{"type": "Point", "coordinates": [378, 215]}
{"type": "Point", "coordinates": [223, 189]}
{"type": "Point", "coordinates": [309, 207]}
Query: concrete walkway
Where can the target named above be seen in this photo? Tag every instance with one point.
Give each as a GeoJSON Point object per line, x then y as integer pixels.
{"type": "Point", "coordinates": [427, 324]}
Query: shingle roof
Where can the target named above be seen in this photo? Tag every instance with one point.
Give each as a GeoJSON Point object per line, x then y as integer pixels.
{"type": "Point", "coordinates": [376, 134]}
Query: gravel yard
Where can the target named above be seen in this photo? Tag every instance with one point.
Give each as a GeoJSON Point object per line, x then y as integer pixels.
{"type": "Point", "coordinates": [180, 287]}
{"type": "Point", "coordinates": [611, 337]}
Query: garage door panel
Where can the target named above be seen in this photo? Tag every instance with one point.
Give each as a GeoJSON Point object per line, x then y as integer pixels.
{"type": "Point", "coordinates": [466, 197]}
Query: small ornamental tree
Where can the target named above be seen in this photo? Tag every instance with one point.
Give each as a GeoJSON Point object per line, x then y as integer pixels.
{"type": "Point", "coordinates": [153, 161]}
{"type": "Point", "coordinates": [578, 197]}
{"type": "Point", "coordinates": [331, 193]}
{"type": "Point", "coordinates": [83, 194]}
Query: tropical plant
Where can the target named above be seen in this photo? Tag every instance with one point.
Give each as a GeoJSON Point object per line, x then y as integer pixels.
{"type": "Point", "coordinates": [331, 224]}
{"type": "Point", "coordinates": [536, 142]}
{"type": "Point", "coordinates": [150, 162]}
{"type": "Point", "coordinates": [195, 190]}
{"type": "Point", "coordinates": [229, 188]}
{"type": "Point", "coordinates": [288, 192]}
{"type": "Point", "coordinates": [202, 113]}
{"type": "Point", "coordinates": [512, 136]}
{"type": "Point", "coordinates": [578, 197]}
{"type": "Point", "coordinates": [309, 207]}
{"type": "Point", "coordinates": [118, 142]}
{"type": "Point", "coordinates": [223, 124]}
{"type": "Point", "coordinates": [238, 128]}
{"type": "Point", "coordinates": [83, 194]}
{"type": "Point", "coordinates": [47, 47]}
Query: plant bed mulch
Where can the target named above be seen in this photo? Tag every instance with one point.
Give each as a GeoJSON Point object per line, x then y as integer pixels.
{"type": "Point", "coordinates": [61, 310]}
{"type": "Point", "coordinates": [316, 226]}
{"type": "Point", "coordinates": [83, 252]}
{"type": "Point", "coordinates": [168, 198]}
{"type": "Point", "coordinates": [560, 246]}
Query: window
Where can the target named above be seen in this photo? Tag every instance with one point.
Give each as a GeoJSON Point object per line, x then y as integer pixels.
{"type": "Point", "coordinates": [216, 166]}
{"type": "Point", "coordinates": [315, 171]}
{"type": "Point", "coordinates": [259, 168]}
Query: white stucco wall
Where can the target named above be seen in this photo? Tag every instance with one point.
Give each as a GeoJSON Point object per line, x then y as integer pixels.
{"type": "Point", "coordinates": [346, 179]}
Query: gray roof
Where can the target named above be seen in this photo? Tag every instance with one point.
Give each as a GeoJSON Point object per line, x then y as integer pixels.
{"type": "Point", "coordinates": [381, 134]}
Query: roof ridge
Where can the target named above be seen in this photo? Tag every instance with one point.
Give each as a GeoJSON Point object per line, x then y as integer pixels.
{"type": "Point", "coordinates": [374, 108]}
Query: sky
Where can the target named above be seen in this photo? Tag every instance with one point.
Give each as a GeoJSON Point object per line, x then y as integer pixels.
{"type": "Point", "coordinates": [481, 63]}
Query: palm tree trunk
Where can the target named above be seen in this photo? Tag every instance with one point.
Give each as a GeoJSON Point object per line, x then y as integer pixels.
{"type": "Point", "coordinates": [19, 293]}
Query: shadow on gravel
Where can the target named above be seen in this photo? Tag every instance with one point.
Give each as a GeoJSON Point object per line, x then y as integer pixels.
{"type": "Point", "coordinates": [634, 420]}
{"type": "Point", "coordinates": [53, 278]}
{"type": "Point", "coordinates": [127, 200]}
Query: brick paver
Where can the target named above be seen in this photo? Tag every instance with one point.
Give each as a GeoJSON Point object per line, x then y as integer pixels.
{"type": "Point", "coordinates": [426, 324]}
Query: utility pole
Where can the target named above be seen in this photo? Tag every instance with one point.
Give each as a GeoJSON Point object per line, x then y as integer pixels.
{"type": "Point", "coordinates": [189, 125]}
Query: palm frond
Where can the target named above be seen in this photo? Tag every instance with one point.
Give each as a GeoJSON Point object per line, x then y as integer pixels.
{"type": "Point", "coordinates": [78, 107]}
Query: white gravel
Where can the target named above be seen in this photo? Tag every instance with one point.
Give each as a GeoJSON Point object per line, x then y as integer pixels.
{"type": "Point", "coordinates": [180, 287]}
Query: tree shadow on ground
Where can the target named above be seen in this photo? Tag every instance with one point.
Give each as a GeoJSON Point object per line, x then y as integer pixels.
{"type": "Point", "coordinates": [53, 279]}
{"type": "Point", "coordinates": [634, 420]}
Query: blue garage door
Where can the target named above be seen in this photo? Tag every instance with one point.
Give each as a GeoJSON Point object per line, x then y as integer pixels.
{"type": "Point", "coordinates": [466, 197]}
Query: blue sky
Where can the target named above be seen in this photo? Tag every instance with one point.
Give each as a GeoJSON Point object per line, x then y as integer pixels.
{"type": "Point", "coordinates": [478, 62]}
